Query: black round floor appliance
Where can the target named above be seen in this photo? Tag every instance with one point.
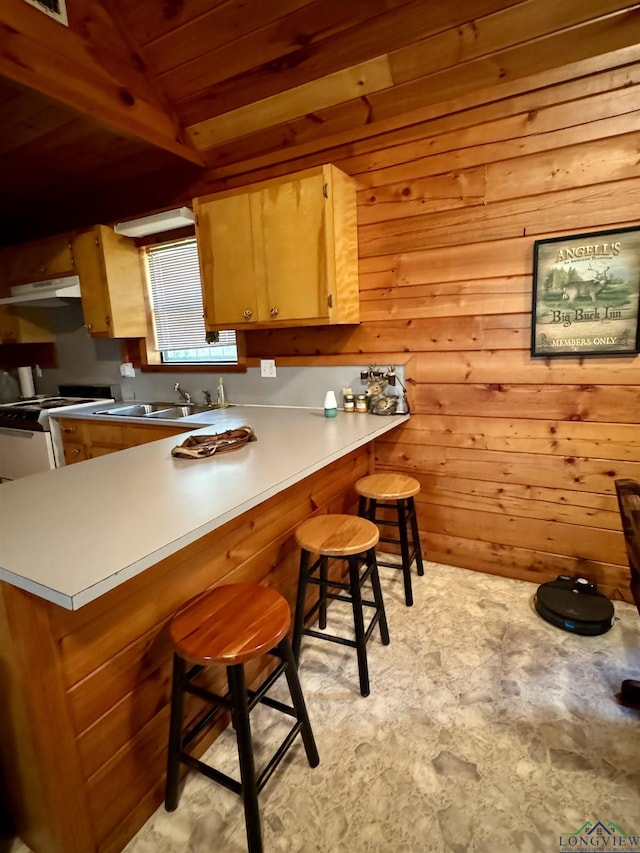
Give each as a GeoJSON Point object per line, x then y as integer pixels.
{"type": "Point", "coordinates": [576, 605]}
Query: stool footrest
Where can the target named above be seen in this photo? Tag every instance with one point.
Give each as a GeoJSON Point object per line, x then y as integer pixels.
{"type": "Point", "coordinates": [334, 597]}
{"type": "Point", "coordinates": [311, 632]}
{"type": "Point", "coordinates": [211, 772]}
{"type": "Point", "coordinates": [388, 565]}
{"type": "Point", "coordinates": [228, 781]}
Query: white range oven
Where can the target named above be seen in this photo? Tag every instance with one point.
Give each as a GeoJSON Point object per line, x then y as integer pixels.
{"type": "Point", "coordinates": [26, 445]}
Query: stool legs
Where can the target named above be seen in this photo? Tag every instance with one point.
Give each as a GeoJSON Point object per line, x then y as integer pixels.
{"type": "Point", "coordinates": [298, 623]}
{"type": "Point", "coordinates": [358, 622]}
{"type": "Point", "coordinates": [404, 551]}
{"type": "Point", "coordinates": [377, 597]}
{"type": "Point", "coordinates": [237, 688]}
{"type": "Point", "coordinates": [175, 734]}
{"type": "Point", "coordinates": [416, 535]}
{"type": "Point", "coordinates": [406, 515]}
{"type": "Point", "coordinates": [297, 699]}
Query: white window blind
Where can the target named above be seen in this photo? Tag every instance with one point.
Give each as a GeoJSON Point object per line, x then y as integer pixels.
{"type": "Point", "coordinates": [174, 276]}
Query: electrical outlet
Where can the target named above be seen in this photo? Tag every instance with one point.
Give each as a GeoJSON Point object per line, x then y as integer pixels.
{"type": "Point", "coordinates": [268, 368]}
{"type": "Point", "coordinates": [127, 369]}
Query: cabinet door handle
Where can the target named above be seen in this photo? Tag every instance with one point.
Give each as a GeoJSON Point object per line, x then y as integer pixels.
{"type": "Point", "coordinates": [68, 429]}
{"type": "Point", "coordinates": [88, 326]}
{"type": "Point", "coordinates": [248, 313]}
{"type": "Point", "coordinates": [75, 451]}
{"type": "Point", "coordinates": [274, 312]}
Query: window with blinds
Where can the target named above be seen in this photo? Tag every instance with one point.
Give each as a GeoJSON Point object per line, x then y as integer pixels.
{"type": "Point", "coordinates": [174, 277]}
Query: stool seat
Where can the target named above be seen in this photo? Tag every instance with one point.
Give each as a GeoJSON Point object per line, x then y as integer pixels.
{"type": "Point", "coordinates": [337, 535]}
{"type": "Point", "coordinates": [230, 624]}
{"type": "Point", "coordinates": [388, 487]}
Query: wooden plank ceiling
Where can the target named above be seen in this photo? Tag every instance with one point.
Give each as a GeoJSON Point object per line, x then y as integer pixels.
{"type": "Point", "coordinates": [135, 88]}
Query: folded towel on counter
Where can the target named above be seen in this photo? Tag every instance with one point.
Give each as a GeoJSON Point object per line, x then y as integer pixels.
{"type": "Point", "coordinates": [198, 446]}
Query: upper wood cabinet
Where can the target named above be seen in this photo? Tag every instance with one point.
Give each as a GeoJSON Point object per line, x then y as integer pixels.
{"type": "Point", "coordinates": [279, 253]}
{"type": "Point", "coordinates": [36, 261]}
{"type": "Point", "coordinates": [111, 283]}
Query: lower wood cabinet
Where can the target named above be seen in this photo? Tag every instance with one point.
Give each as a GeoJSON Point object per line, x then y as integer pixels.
{"type": "Point", "coordinates": [87, 439]}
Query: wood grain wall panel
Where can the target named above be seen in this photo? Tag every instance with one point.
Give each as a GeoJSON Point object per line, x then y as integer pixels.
{"type": "Point", "coordinates": [617, 31]}
{"type": "Point", "coordinates": [604, 403]}
{"type": "Point", "coordinates": [495, 32]}
{"type": "Point", "coordinates": [461, 188]}
{"type": "Point", "coordinates": [530, 565]}
{"type": "Point", "coordinates": [298, 144]}
{"type": "Point", "coordinates": [587, 543]}
{"type": "Point", "coordinates": [575, 210]}
{"type": "Point", "coordinates": [555, 438]}
{"type": "Point", "coordinates": [611, 159]}
{"type": "Point", "coordinates": [502, 444]}
{"type": "Point", "coordinates": [517, 500]}
{"type": "Point", "coordinates": [567, 472]}
{"type": "Point", "coordinates": [491, 366]}
{"type": "Point", "coordinates": [535, 131]}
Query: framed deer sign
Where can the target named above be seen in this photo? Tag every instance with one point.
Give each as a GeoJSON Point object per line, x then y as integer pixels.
{"type": "Point", "coordinates": [585, 294]}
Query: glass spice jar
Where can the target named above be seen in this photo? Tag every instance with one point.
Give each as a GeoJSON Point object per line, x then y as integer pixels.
{"type": "Point", "coordinates": [361, 403]}
{"type": "Point", "coordinates": [348, 400]}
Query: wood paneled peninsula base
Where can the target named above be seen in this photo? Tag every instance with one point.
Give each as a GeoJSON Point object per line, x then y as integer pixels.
{"type": "Point", "coordinates": [95, 559]}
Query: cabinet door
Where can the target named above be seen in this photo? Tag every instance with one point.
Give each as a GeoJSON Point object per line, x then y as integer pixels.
{"type": "Point", "coordinates": [124, 284]}
{"type": "Point", "coordinates": [42, 259]}
{"type": "Point", "coordinates": [227, 272]}
{"type": "Point", "coordinates": [95, 298]}
{"type": "Point", "coordinates": [290, 246]}
{"type": "Point", "coordinates": [136, 434]}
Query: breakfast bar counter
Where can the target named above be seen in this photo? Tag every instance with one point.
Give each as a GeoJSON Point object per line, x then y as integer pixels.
{"type": "Point", "coordinates": [94, 560]}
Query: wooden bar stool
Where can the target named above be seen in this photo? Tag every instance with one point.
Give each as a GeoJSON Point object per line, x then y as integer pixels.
{"type": "Point", "coordinates": [394, 491]}
{"type": "Point", "coordinates": [229, 626]}
{"type": "Point", "coordinates": [350, 538]}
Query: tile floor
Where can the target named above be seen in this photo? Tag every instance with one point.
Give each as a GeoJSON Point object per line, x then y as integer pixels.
{"type": "Point", "coordinates": [486, 730]}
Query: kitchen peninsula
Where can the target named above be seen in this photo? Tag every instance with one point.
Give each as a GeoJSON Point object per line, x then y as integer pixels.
{"type": "Point", "coordinates": [94, 560]}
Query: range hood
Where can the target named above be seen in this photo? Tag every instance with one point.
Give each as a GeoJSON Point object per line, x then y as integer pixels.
{"type": "Point", "coordinates": [44, 294]}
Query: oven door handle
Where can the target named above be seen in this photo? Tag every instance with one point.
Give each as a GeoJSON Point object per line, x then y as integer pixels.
{"type": "Point", "coordinates": [18, 433]}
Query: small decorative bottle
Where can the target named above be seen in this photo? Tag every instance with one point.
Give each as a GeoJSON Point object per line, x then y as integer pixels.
{"type": "Point", "coordinates": [348, 400]}
{"type": "Point", "coordinates": [330, 405]}
{"type": "Point", "coordinates": [221, 397]}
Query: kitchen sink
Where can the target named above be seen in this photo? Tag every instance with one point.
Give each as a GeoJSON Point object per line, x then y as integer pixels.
{"type": "Point", "coordinates": [176, 412]}
{"type": "Point", "coordinates": [161, 411]}
{"type": "Point", "coordinates": [137, 410]}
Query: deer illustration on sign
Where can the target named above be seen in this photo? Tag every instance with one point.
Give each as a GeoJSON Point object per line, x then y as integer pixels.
{"type": "Point", "coordinates": [586, 288]}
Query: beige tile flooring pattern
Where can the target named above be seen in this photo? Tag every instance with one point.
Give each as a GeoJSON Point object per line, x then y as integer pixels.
{"type": "Point", "coordinates": [486, 730]}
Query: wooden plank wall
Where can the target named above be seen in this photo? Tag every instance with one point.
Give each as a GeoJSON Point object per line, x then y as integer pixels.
{"type": "Point", "coordinates": [516, 456]}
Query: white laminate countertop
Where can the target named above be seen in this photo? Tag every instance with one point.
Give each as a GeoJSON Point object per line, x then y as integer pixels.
{"type": "Point", "coordinates": [72, 534]}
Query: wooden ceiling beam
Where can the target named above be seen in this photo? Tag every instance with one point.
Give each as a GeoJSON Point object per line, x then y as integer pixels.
{"type": "Point", "coordinates": [60, 63]}
{"type": "Point", "coordinates": [359, 81]}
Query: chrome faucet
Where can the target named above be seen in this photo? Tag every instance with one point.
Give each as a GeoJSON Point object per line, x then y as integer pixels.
{"type": "Point", "coordinates": [207, 398]}
{"type": "Point", "coordinates": [184, 395]}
